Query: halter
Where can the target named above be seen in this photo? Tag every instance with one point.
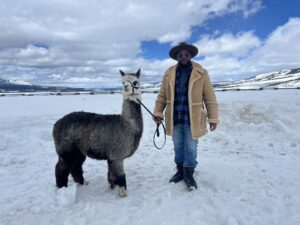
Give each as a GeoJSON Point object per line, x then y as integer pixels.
{"type": "Point", "coordinates": [133, 87]}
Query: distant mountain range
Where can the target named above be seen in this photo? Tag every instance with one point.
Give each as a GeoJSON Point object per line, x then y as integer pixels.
{"type": "Point", "coordinates": [273, 80]}
{"type": "Point", "coordinates": [22, 86]}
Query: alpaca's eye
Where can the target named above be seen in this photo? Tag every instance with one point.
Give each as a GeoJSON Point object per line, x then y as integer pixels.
{"type": "Point", "coordinates": [135, 83]}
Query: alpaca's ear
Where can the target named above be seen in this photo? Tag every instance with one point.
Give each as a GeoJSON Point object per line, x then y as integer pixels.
{"type": "Point", "coordinates": [122, 73]}
{"type": "Point", "coordinates": [138, 73]}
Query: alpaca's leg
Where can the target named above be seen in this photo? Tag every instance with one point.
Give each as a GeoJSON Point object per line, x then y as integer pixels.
{"type": "Point", "coordinates": [77, 172]}
{"type": "Point", "coordinates": [110, 177]}
{"type": "Point", "coordinates": [63, 168]}
{"type": "Point", "coordinates": [117, 169]}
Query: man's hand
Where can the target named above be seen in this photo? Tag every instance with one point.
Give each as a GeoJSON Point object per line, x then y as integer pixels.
{"type": "Point", "coordinates": [212, 126]}
{"type": "Point", "coordinates": [157, 119]}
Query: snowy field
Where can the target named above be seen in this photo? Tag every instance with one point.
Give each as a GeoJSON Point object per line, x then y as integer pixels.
{"type": "Point", "coordinates": [248, 171]}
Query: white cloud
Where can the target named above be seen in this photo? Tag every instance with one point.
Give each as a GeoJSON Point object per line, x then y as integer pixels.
{"type": "Point", "coordinates": [228, 44]}
{"type": "Point", "coordinates": [226, 55]}
{"type": "Point", "coordinates": [236, 56]}
{"type": "Point", "coordinates": [96, 37]}
{"type": "Point", "coordinates": [281, 48]}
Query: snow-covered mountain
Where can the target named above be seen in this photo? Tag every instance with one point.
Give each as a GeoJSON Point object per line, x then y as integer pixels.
{"type": "Point", "coordinates": [273, 80]}
{"type": "Point", "coordinates": [148, 87]}
{"type": "Point", "coordinates": [19, 82]}
{"type": "Point", "coordinates": [23, 86]}
{"type": "Point", "coordinates": [14, 82]}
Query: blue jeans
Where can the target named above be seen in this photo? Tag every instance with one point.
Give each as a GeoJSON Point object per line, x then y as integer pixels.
{"type": "Point", "coordinates": [185, 146]}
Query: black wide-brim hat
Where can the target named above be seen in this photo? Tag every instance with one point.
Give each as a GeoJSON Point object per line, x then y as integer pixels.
{"type": "Point", "coordinates": [183, 46]}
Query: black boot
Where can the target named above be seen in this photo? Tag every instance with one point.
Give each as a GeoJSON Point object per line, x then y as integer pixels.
{"type": "Point", "coordinates": [178, 176]}
{"type": "Point", "coordinates": [189, 179]}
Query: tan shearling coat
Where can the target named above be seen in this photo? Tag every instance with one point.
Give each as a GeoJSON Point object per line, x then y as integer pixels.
{"type": "Point", "coordinates": [203, 106]}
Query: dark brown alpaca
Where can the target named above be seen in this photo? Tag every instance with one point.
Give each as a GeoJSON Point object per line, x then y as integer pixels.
{"type": "Point", "coordinates": [103, 137]}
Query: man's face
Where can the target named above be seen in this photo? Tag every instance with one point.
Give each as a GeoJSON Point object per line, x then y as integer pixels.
{"type": "Point", "coordinates": [184, 57]}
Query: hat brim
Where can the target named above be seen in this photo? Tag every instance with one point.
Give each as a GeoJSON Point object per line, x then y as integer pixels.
{"type": "Point", "coordinates": [191, 48]}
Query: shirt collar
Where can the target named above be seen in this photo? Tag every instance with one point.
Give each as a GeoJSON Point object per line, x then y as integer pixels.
{"type": "Point", "coordinates": [187, 66]}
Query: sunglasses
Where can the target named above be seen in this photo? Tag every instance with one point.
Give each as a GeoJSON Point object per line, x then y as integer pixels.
{"type": "Point", "coordinates": [186, 55]}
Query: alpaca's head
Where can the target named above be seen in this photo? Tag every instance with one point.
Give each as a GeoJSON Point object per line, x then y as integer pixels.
{"type": "Point", "coordinates": [131, 85]}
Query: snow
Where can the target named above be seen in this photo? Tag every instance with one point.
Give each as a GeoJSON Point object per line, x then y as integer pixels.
{"type": "Point", "coordinates": [19, 82]}
{"type": "Point", "coordinates": [248, 171]}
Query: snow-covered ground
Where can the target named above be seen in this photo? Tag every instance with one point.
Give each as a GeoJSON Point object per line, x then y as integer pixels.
{"type": "Point", "coordinates": [248, 170]}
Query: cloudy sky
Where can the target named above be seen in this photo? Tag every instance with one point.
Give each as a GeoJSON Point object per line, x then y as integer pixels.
{"type": "Point", "coordinates": [84, 43]}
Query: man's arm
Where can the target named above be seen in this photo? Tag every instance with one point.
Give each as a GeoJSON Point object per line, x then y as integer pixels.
{"type": "Point", "coordinates": [160, 102]}
{"type": "Point", "coordinates": [210, 102]}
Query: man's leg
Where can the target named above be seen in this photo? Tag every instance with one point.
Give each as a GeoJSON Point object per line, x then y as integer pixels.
{"type": "Point", "coordinates": [190, 155]}
{"type": "Point", "coordinates": [178, 140]}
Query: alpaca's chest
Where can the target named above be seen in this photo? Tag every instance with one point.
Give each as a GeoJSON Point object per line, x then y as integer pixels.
{"type": "Point", "coordinates": [97, 153]}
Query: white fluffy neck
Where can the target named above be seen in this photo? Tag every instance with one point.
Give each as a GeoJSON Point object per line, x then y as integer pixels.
{"type": "Point", "coordinates": [131, 97]}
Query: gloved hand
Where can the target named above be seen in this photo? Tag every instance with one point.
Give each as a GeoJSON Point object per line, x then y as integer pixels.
{"type": "Point", "coordinates": [212, 126]}
{"type": "Point", "coordinates": [157, 120]}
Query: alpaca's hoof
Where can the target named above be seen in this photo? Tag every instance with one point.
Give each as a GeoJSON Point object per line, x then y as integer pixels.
{"type": "Point", "coordinates": [83, 182]}
{"type": "Point", "coordinates": [122, 191]}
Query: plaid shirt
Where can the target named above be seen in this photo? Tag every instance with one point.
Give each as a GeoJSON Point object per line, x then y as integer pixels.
{"type": "Point", "coordinates": [181, 101]}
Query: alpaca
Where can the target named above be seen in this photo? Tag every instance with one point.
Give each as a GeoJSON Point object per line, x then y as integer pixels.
{"type": "Point", "coordinates": [103, 137]}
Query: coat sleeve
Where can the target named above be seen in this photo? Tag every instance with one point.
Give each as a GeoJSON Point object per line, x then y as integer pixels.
{"type": "Point", "coordinates": [210, 100]}
{"type": "Point", "coordinates": [160, 102]}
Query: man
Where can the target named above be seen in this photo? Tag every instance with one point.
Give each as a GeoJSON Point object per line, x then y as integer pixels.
{"type": "Point", "coordinates": [189, 101]}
